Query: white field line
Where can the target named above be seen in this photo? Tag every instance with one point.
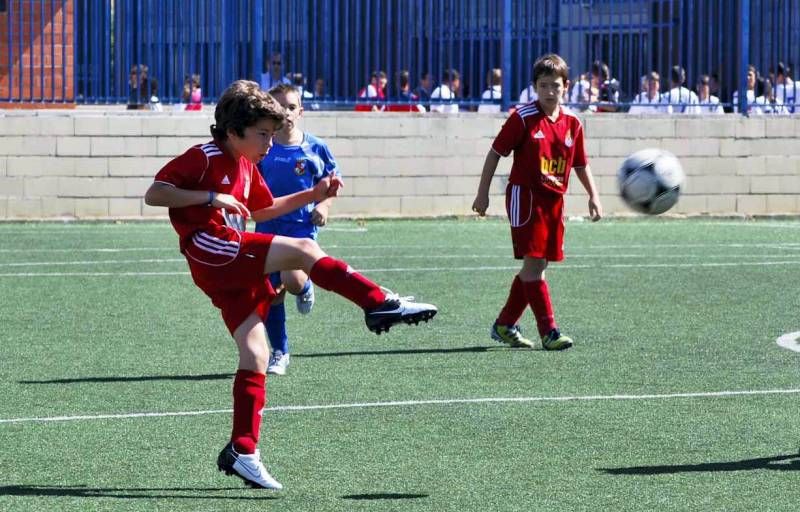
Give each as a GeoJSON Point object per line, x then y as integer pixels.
{"type": "Point", "coordinates": [409, 257]}
{"type": "Point", "coordinates": [439, 269]}
{"type": "Point", "coordinates": [503, 247]}
{"type": "Point", "coordinates": [414, 403]}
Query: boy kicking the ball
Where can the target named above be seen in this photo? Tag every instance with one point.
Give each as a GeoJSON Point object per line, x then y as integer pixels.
{"type": "Point", "coordinates": [547, 141]}
{"type": "Point", "coordinates": [210, 191]}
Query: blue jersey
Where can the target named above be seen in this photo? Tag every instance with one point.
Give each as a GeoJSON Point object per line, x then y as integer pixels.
{"type": "Point", "coordinates": [290, 169]}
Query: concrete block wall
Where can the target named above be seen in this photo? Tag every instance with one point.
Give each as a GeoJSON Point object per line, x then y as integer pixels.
{"type": "Point", "coordinates": [90, 164]}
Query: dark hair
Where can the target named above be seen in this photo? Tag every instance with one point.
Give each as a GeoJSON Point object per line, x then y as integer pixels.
{"type": "Point", "coordinates": [450, 75]}
{"type": "Point", "coordinates": [403, 78]}
{"type": "Point", "coordinates": [550, 65]}
{"type": "Point", "coordinates": [677, 75]}
{"type": "Point", "coordinates": [600, 69]}
{"type": "Point", "coordinates": [241, 105]}
{"type": "Point", "coordinates": [703, 80]}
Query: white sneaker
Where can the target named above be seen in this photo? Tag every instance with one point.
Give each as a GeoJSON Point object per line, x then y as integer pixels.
{"type": "Point", "coordinates": [305, 302]}
{"type": "Point", "coordinates": [247, 467]}
{"type": "Point", "coordinates": [278, 362]}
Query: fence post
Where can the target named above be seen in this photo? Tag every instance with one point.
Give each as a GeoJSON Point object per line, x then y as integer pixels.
{"type": "Point", "coordinates": [744, 54]}
{"type": "Point", "coordinates": [257, 41]}
{"type": "Point", "coordinates": [506, 55]}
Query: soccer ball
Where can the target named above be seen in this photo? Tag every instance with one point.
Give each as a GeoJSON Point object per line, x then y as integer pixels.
{"type": "Point", "coordinates": [650, 181]}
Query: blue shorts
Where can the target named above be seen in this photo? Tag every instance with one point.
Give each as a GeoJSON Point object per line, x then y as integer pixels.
{"type": "Point", "coordinates": [290, 229]}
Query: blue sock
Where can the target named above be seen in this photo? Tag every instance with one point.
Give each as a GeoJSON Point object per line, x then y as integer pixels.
{"type": "Point", "coordinates": [276, 328]}
{"type": "Point", "coordinates": [305, 287]}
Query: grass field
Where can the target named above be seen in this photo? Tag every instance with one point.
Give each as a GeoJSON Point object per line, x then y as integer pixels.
{"type": "Point", "coordinates": [115, 375]}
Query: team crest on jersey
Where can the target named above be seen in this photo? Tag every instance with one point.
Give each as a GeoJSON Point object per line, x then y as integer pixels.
{"type": "Point", "coordinates": [300, 166]}
{"type": "Point", "coordinates": [568, 139]}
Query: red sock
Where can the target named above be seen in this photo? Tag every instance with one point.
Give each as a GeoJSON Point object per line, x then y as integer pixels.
{"type": "Point", "coordinates": [539, 299]}
{"type": "Point", "coordinates": [249, 397]}
{"type": "Point", "coordinates": [515, 305]}
{"type": "Point", "coordinates": [337, 276]}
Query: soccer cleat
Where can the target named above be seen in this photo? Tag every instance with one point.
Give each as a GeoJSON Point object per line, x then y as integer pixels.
{"type": "Point", "coordinates": [511, 335]}
{"type": "Point", "coordinates": [554, 340]}
{"type": "Point", "coordinates": [247, 467]}
{"type": "Point", "coordinates": [305, 302]}
{"type": "Point", "coordinates": [396, 309]}
{"type": "Point", "coordinates": [278, 362]}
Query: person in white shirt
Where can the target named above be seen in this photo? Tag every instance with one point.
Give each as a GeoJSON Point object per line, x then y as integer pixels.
{"type": "Point", "coordinates": [581, 90]}
{"type": "Point", "coordinates": [785, 88]}
{"type": "Point", "coordinates": [490, 99]}
{"type": "Point", "coordinates": [528, 95]}
{"type": "Point", "coordinates": [682, 100]}
{"type": "Point", "coordinates": [443, 98]}
{"type": "Point", "coordinates": [752, 76]}
{"type": "Point", "coordinates": [649, 101]}
{"type": "Point", "coordinates": [709, 104]}
{"type": "Point", "coordinates": [274, 75]}
{"type": "Point", "coordinates": [768, 103]}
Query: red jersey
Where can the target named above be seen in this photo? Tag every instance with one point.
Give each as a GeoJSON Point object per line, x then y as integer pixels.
{"type": "Point", "coordinates": [544, 150]}
{"type": "Point", "coordinates": [214, 230]}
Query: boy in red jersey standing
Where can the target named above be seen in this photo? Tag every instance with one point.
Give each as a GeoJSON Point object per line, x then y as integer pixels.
{"type": "Point", "coordinates": [547, 141]}
{"type": "Point", "coordinates": [210, 191]}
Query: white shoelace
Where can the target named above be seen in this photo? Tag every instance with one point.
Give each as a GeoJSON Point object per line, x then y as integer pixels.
{"type": "Point", "coordinates": [394, 296]}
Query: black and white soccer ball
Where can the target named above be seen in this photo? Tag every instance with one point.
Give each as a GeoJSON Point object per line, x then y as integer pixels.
{"type": "Point", "coordinates": [650, 181]}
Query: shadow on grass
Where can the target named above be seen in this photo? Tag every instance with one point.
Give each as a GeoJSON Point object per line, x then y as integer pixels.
{"type": "Point", "coordinates": [776, 463]}
{"type": "Point", "coordinates": [81, 491]}
{"type": "Point", "coordinates": [227, 376]}
{"type": "Point", "coordinates": [140, 378]}
{"type": "Point", "coordinates": [384, 496]}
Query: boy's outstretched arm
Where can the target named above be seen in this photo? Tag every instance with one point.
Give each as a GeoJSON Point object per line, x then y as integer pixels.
{"type": "Point", "coordinates": [164, 194]}
{"type": "Point", "coordinates": [595, 208]}
{"type": "Point", "coordinates": [327, 187]}
{"type": "Point", "coordinates": [481, 203]}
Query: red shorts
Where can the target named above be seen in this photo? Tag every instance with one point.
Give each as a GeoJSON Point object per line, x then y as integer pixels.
{"type": "Point", "coordinates": [230, 270]}
{"type": "Point", "coordinates": [537, 223]}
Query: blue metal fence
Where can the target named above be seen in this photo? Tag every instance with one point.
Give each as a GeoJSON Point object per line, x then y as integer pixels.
{"type": "Point", "coordinates": [342, 42]}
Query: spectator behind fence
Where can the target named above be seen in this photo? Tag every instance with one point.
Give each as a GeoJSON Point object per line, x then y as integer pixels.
{"type": "Point", "coordinates": [404, 100]}
{"type": "Point", "coordinates": [649, 101]}
{"type": "Point", "coordinates": [375, 90]}
{"type": "Point", "coordinates": [579, 96]}
{"type": "Point", "coordinates": [192, 95]}
{"type": "Point", "coordinates": [491, 97]}
{"type": "Point", "coordinates": [143, 90]}
{"type": "Point", "coordinates": [298, 80]}
{"type": "Point", "coordinates": [274, 72]}
{"type": "Point", "coordinates": [404, 92]}
{"type": "Point", "coordinates": [447, 91]}
{"type": "Point", "coordinates": [682, 100]}
{"type": "Point", "coordinates": [767, 103]}
{"type": "Point", "coordinates": [319, 90]}
{"type": "Point", "coordinates": [528, 95]}
{"type": "Point", "coordinates": [604, 90]}
{"type": "Point", "coordinates": [425, 87]}
{"type": "Point", "coordinates": [752, 79]}
{"type": "Point", "coordinates": [785, 87]}
{"type": "Point", "coordinates": [709, 104]}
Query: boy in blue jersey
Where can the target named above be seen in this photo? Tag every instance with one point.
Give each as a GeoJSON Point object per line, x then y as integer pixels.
{"type": "Point", "coordinates": [297, 161]}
